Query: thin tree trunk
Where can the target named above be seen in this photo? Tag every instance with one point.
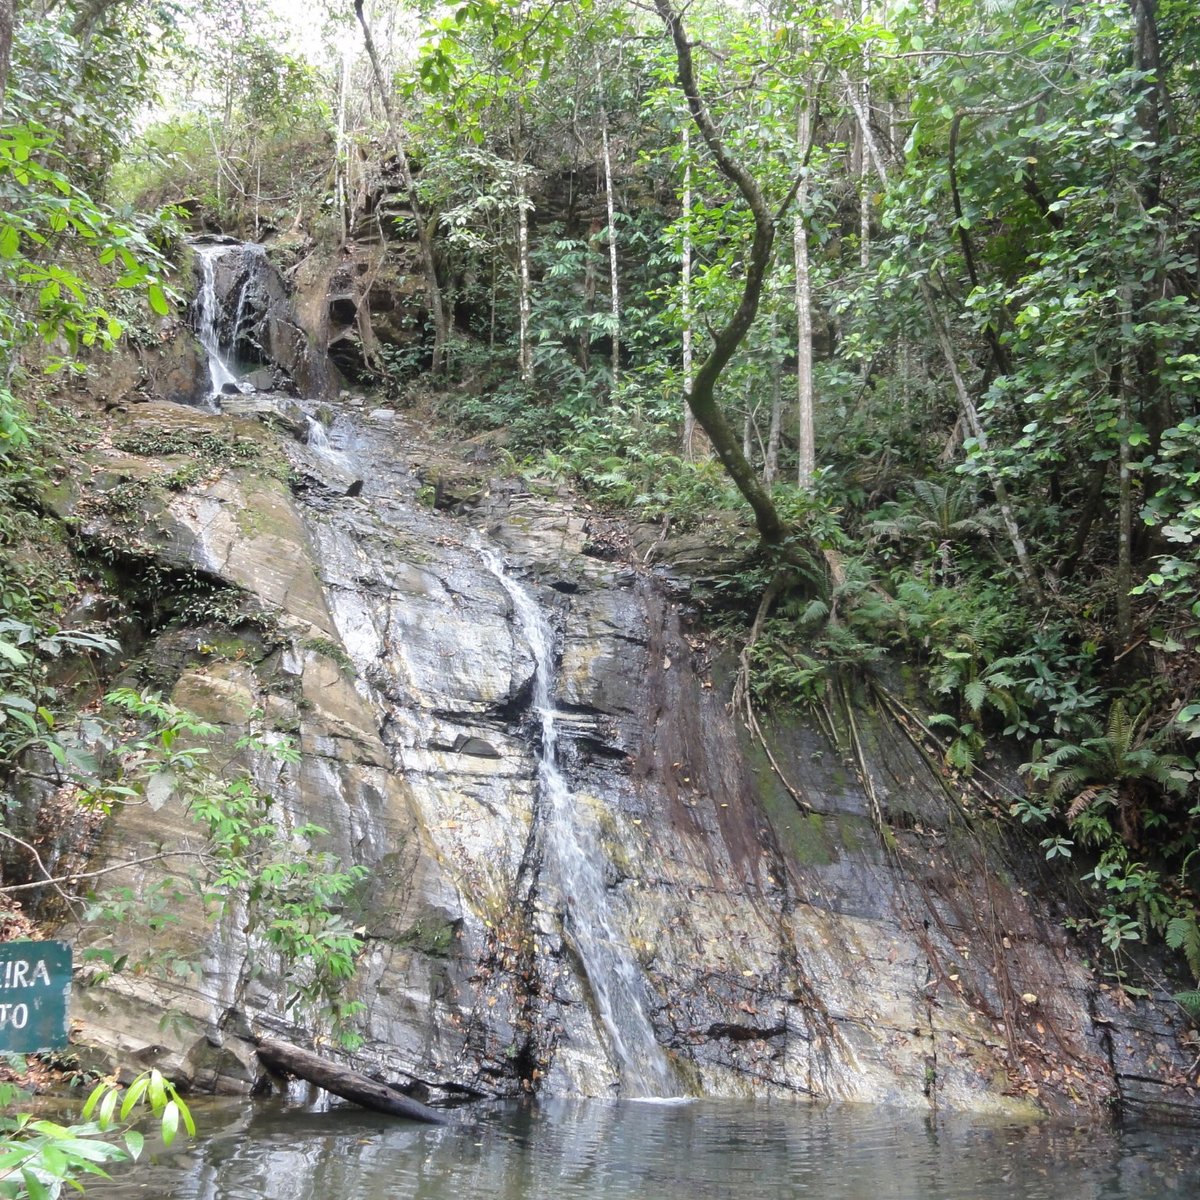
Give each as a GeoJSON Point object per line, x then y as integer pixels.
{"type": "Point", "coordinates": [614, 285]}
{"type": "Point", "coordinates": [6, 36]}
{"type": "Point", "coordinates": [971, 415]}
{"type": "Point", "coordinates": [437, 307]}
{"type": "Point", "coordinates": [685, 300]}
{"type": "Point", "coordinates": [589, 306]}
{"type": "Point", "coordinates": [864, 187]}
{"type": "Point", "coordinates": [775, 432]}
{"type": "Point", "coordinates": [524, 300]}
{"type": "Point", "coordinates": [806, 440]}
{"type": "Point", "coordinates": [342, 183]}
{"type": "Point", "coordinates": [1128, 369]}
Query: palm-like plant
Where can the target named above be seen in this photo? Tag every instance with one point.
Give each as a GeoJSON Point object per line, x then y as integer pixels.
{"type": "Point", "coordinates": [936, 512]}
{"type": "Point", "coordinates": [1120, 768]}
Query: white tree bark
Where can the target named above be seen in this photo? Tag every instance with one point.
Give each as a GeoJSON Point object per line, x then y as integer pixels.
{"type": "Point", "coordinates": [341, 179]}
{"type": "Point", "coordinates": [806, 439]}
{"type": "Point", "coordinates": [437, 306]}
{"type": "Point", "coordinates": [685, 300]}
{"type": "Point", "coordinates": [614, 283]}
{"type": "Point", "coordinates": [775, 432]}
{"type": "Point", "coordinates": [524, 290]}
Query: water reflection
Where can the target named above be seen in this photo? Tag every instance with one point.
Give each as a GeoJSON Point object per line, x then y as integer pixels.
{"type": "Point", "coordinates": [591, 1150]}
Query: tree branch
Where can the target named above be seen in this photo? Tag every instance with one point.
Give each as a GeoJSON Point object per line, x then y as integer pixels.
{"type": "Point", "coordinates": [75, 876]}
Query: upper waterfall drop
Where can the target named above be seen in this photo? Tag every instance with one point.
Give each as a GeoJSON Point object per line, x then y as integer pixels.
{"type": "Point", "coordinates": [208, 312]}
{"type": "Point", "coordinates": [574, 861]}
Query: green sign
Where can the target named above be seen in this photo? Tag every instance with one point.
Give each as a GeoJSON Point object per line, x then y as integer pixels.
{"type": "Point", "coordinates": [35, 980]}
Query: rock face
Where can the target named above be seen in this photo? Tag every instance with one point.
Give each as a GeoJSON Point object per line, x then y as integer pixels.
{"type": "Point", "coordinates": [858, 934]}
{"type": "Point", "coordinates": [666, 904]}
{"type": "Point", "coordinates": [257, 324]}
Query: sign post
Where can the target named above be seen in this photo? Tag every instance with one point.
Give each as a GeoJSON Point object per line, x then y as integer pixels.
{"type": "Point", "coordinates": [35, 982]}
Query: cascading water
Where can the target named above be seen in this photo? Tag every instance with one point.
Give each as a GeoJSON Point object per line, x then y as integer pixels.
{"type": "Point", "coordinates": [317, 438]}
{"type": "Point", "coordinates": [207, 315]}
{"type": "Point", "coordinates": [574, 863]}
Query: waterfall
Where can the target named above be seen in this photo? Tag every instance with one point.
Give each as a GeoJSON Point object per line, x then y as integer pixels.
{"type": "Point", "coordinates": [208, 312]}
{"type": "Point", "coordinates": [317, 438]}
{"type": "Point", "coordinates": [574, 861]}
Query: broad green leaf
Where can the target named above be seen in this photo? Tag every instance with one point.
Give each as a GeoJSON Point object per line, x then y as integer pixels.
{"type": "Point", "coordinates": [158, 300]}
{"type": "Point", "coordinates": [170, 1122]}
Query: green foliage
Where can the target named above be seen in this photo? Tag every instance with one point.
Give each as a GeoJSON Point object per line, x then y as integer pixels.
{"type": "Point", "coordinates": [28, 703]}
{"type": "Point", "coordinates": [289, 894]}
{"type": "Point", "coordinates": [39, 1156]}
{"type": "Point", "coordinates": [1183, 934]}
{"type": "Point", "coordinates": [1107, 782]}
{"type": "Point", "coordinates": [215, 449]}
{"type": "Point", "coordinates": [48, 228]}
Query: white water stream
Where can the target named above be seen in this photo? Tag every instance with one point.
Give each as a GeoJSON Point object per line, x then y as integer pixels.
{"type": "Point", "coordinates": [220, 372]}
{"type": "Point", "coordinates": [574, 863]}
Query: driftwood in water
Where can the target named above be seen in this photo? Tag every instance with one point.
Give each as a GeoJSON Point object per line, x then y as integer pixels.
{"type": "Point", "coordinates": [341, 1081]}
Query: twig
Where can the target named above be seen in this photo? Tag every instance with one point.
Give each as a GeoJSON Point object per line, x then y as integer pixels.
{"type": "Point", "coordinates": [37, 858]}
{"type": "Point", "coordinates": [75, 877]}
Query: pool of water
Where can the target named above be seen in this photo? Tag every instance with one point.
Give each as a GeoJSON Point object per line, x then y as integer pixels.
{"type": "Point", "coordinates": [707, 1150]}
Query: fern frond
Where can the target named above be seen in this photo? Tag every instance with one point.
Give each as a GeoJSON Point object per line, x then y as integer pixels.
{"type": "Point", "coordinates": [1068, 781]}
{"type": "Point", "coordinates": [961, 755]}
{"type": "Point", "coordinates": [1189, 1002]}
{"type": "Point", "coordinates": [975, 693]}
{"type": "Point", "coordinates": [815, 610]}
{"type": "Point", "coordinates": [1183, 933]}
{"type": "Point", "coordinates": [1083, 802]}
{"type": "Point", "coordinates": [1120, 728]}
{"type": "Point", "coordinates": [1061, 755]}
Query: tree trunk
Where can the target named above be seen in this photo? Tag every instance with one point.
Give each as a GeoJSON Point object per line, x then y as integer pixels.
{"type": "Point", "coordinates": [969, 411]}
{"type": "Point", "coordinates": [806, 437]}
{"type": "Point", "coordinates": [614, 287]}
{"type": "Point", "coordinates": [341, 191]}
{"type": "Point", "coordinates": [973, 423]}
{"type": "Point", "coordinates": [524, 300]}
{"type": "Point", "coordinates": [685, 300]}
{"type": "Point", "coordinates": [6, 36]}
{"type": "Point", "coordinates": [437, 307]}
{"type": "Point", "coordinates": [775, 433]}
{"type": "Point", "coordinates": [702, 394]}
{"type": "Point", "coordinates": [864, 184]}
{"type": "Point", "coordinates": [283, 1057]}
{"type": "Point", "coordinates": [1125, 394]}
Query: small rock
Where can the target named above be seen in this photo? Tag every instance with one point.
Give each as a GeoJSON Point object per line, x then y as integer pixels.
{"type": "Point", "coordinates": [383, 415]}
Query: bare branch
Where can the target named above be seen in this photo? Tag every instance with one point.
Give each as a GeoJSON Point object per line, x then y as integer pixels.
{"type": "Point", "coordinates": [55, 881]}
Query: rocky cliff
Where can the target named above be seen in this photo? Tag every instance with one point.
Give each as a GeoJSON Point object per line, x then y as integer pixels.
{"type": "Point", "coordinates": [860, 932]}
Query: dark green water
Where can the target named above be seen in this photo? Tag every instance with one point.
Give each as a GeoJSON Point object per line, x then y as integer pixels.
{"type": "Point", "coordinates": [709, 1150]}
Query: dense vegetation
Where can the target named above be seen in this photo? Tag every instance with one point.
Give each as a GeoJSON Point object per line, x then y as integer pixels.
{"type": "Point", "coordinates": [917, 281]}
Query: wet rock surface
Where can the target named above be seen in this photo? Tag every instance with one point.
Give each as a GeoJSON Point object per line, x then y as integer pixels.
{"type": "Point", "coordinates": [872, 941]}
{"type": "Point", "coordinates": [824, 915]}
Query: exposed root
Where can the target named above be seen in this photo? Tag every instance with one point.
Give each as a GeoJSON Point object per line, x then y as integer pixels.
{"type": "Point", "coordinates": [742, 701]}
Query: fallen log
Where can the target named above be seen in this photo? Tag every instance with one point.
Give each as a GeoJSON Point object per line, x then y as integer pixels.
{"type": "Point", "coordinates": [341, 1081]}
